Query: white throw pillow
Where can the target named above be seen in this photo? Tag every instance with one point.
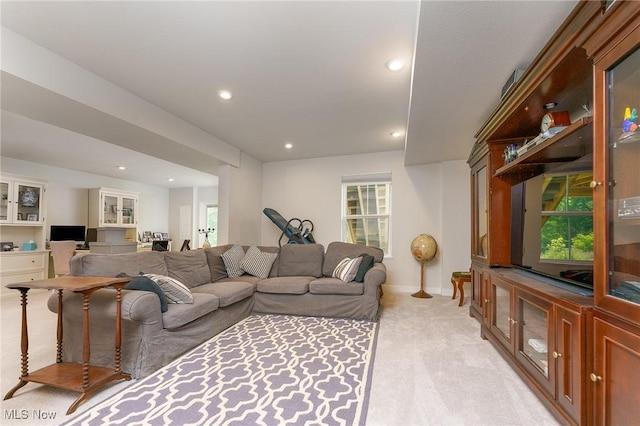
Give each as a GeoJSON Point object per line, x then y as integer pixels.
{"type": "Point", "coordinates": [347, 269]}
{"type": "Point", "coordinates": [232, 259]}
{"type": "Point", "coordinates": [258, 263]}
{"type": "Point", "coordinates": [174, 290]}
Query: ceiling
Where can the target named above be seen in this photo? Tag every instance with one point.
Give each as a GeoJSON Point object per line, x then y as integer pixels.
{"type": "Point", "coordinates": [309, 73]}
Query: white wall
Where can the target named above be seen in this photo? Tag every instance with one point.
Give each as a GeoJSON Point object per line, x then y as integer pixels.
{"type": "Point", "coordinates": [431, 199]}
{"type": "Point", "coordinates": [239, 202]}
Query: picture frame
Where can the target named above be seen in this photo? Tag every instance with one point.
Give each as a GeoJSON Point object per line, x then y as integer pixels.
{"type": "Point", "coordinates": [6, 245]}
{"type": "Point", "coordinates": [32, 217]}
{"type": "Point", "coordinates": [157, 235]}
{"type": "Point", "coordinates": [165, 235]}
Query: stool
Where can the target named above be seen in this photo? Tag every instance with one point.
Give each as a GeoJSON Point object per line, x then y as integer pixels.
{"type": "Point", "coordinates": [457, 281]}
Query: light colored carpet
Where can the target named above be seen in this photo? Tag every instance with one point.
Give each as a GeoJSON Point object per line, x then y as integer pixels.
{"type": "Point", "coordinates": [431, 368]}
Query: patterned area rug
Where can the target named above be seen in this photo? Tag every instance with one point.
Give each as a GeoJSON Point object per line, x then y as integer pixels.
{"type": "Point", "coordinates": [265, 370]}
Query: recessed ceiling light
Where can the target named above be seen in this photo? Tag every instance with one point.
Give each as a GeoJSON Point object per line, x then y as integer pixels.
{"type": "Point", "coordinates": [122, 168]}
{"type": "Point", "coordinates": [170, 179]}
{"type": "Point", "coordinates": [394, 64]}
{"type": "Point", "coordinates": [396, 133]}
{"type": "Point", "coordinates": [288, 145]}
{"type": "Point", "coordinates": [225, 94]}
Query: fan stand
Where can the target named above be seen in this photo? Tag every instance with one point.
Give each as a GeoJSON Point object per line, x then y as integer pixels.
{"type": "Point", "coordinates": [422, 294]}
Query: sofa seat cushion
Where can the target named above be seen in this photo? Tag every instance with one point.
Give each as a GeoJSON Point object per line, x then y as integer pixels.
{"type": "Point", "coordinates": [335, 286]}
{"type": "Point", "coordinates": [179, 314]}
{"type": "Point", "coordinates": [246, 278]}
{"type": "Point", "coordinates": [285, 285]}
{"type": "Point", "coordinates": [229, 292]}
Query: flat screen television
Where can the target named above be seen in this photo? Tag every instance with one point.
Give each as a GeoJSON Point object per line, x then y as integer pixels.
{"type": "Point", "coordinates": [67, 233]}
{"type": "Point", "coordinates": [552, 225]}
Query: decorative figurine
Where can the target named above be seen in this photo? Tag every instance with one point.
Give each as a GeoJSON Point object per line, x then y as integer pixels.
{"type": "Point", "coordinates": [630, 117]}
{"type": "Point", "coordinates": [630, 124]}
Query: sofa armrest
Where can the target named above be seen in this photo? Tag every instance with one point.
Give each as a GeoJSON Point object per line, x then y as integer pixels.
{"type": "Point", "coordinates": [375, 277]}
{"type": "Point", "coordinates": [139, 306]}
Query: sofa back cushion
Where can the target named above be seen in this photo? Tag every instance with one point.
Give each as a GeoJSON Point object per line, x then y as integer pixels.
{"type": "Point", "coordinates": [336, 251]}
{"type": "Point", "coordinates": [216, 265]}
{"type": "Point", "coordinates": [189, 267]}
{"type": "Point", "coordinates": [300, 260]}
{"type": "Point", "coordinates": [110, 265]}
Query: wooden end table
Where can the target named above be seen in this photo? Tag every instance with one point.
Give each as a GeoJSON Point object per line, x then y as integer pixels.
{"type": "Point", "coordinates": [77, 377]}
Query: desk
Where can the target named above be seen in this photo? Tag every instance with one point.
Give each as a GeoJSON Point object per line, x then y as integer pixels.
{"type": "Point", "coordinates": [83, 378]}
{"type": "Point", "coordinates": [457, 280]}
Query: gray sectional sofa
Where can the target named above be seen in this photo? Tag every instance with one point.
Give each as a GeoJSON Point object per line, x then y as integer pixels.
{"type": "Point", "coordinates": [299, 283]}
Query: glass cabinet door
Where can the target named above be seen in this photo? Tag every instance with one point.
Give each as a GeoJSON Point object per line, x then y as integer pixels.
{"type": "Point", "coordinates": [128, 210]}
{"type": "Point", "coordinates": [480, 217]}
{"type": "Point", "coordinates": [623, 180]}
{"type": "Point", "coordinates": [5, 211]}
{"type": "Point", "coordinates": [110, 209]}
{"type": "Point", "coordinates": [502, 319]}
{"type": "Point", "coordinates": [27, 203]}
{"type": "Point", "coordinates": [534, 339]}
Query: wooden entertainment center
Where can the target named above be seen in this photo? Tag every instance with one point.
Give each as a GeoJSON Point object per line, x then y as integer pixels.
{"type": "Point", "coordinates": [578, 349]}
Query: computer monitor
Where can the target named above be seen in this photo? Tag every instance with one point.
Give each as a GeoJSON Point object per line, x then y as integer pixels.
{"type": "Point", "coordinates": [67, 233]}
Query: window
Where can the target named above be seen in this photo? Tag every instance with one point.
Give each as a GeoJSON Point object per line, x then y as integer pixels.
{"type": "Point", "coordinates": [567, 217]}
{"type": "Point", "coordinates": [366, 210]}
{"type": "Point", "coordinates": [212, 222]}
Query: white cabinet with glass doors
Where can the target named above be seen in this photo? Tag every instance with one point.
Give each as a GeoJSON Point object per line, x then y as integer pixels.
{"type": "Point", "coordinates": [112, 208]}
{"type": "Point", "coordinates": [21, 201]}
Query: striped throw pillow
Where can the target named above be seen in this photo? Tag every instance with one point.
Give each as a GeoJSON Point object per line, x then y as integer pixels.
{"type": "Point", "coordinates": [347, 269]}
{"type": "Point", "coordinates": [257, 262]}
{"type": "Point", "coordinates": [174, 290]}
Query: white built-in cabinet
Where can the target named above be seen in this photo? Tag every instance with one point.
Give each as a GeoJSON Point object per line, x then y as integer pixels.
{"type": "Point", "coordinates": [114, 208]}
{"type": "Point", "coordinates": [22, 220]}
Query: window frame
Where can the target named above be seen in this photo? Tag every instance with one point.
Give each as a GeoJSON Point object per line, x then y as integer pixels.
{"type": "Point", "coordinates": [344, 217]}
{"type": "Point", "coordinates": [213, 239]}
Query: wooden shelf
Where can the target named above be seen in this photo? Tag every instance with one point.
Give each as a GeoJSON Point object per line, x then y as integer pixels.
{"type": "Point", "coordinates": [574, 142]}
{"type": "Point", "coordinates": [68, 375]}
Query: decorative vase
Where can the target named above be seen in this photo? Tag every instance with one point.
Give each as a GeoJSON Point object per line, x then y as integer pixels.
{"type": "Point", "coordinates": [206, 243]}
{"type": "Point", "coordinates": [29, 198]}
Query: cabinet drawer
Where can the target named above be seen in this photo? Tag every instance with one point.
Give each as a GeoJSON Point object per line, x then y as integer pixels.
{"type": "Point", "coordinates": [11, 262]}
{"type": "Point", "coordinates": [21, 278]}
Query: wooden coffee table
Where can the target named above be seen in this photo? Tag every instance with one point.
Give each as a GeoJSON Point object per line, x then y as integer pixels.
{"type": "Point", "coordinates": [77, 377]}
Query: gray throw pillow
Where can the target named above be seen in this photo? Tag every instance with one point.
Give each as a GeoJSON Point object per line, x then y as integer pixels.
{"type": "Point", "coordinates": [233, 261]}
{"type": "Point", "coordinates": [257, 262]}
